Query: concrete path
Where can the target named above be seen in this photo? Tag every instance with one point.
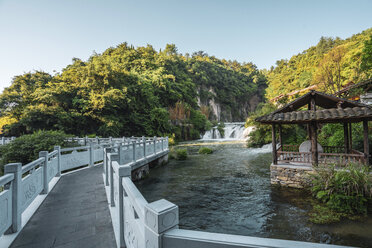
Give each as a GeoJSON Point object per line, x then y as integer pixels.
{"type": "Point", "coordinates": [75, 214]}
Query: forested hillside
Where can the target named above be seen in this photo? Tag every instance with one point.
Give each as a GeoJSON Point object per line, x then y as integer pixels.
{"type": "Point", "coordinates": [329, 65]}
{"type": "Point", "coordinates": [133, 91]}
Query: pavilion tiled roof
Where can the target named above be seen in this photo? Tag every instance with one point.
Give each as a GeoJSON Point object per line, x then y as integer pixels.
{"type": "Point", "coordinates": [321, 115]}
{"type": "Point", "coordinates": [328, 109]}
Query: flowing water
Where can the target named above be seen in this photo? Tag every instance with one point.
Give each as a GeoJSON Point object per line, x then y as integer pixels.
{"type": "Point", "coordinates": [232, 131]}
{"type": "Point", "coordinates": [229, 191]}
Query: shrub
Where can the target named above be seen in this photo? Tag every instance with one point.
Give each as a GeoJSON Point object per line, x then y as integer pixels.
{"type": "Point", "coordinates": [194, 134]}
{"type": "Point", "coordinates": [172, 140]}
{"type": "Point", "coordinates": [220, 128]}
{"type": "Point", "coordinates": [345, 191]}
{"type": "Point", "coordinates": [181, 154]}
{"type": "Point", "coordinates": [205, 150]}
{"type": "Point", "coordinates": [26, 148]}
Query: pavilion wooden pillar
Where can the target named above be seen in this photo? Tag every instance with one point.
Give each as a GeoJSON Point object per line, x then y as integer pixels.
{"type": "Point", "coordinates": [346, 138]}
{"type": "Point", "coordinates": [314, 144]}
{"type": "Point", "coordinates": [308, 131]}
{"type": "Point", "coordinates": [365, 141]}
{"type": "Point", "coordinates": [280, 136]}
{"type": "Point", "coordinates": [275, 157]}
{"type": "Point", "coordinates": [350, 137]}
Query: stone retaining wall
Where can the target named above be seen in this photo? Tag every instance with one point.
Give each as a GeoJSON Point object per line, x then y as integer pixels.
{"type": "Point", "coordinates": [144, 170]}
{"type": "Point", "coordinates": [293, 176]}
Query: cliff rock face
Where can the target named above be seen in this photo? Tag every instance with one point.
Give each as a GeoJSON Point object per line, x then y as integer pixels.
{"type": "Point", "coordinates": [232, 111]}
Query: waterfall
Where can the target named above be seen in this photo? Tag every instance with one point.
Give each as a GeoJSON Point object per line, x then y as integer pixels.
{"type": "Point", "coordinates": [232, 131]}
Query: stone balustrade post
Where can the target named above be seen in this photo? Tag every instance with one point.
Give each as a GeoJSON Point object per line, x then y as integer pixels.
{"type": "Point", "coordinates": [58, 149]}
{"type": "Point", "coordinates": [160, 216]}
{"type": "Point", "coordinates": [106, 150]}
{"type": "Point", "coordinates": [144, 146]}
{"type": "Point", "coordinates": [166, 138]}
{"type": "Point", "coordinates": [134, 150]}
{"type": "Point", "coordinates": [85, 140]}
{"type": "Point", "coordinates": [105, 164]}
{"type": "Point", "coordinates": [16, 169]}
{"type": "Point", "coordinates": [112, 199]}
{"type": "Point", "coordinates": [3, 140]}
{"type": "Point", "coordinates": [154, 144]}
{"type": "Point", "coordinates": [110, 140]}
{"type": "Point", "coordinates": [44, 154]}
{"type": "Point", "coordinates": [162, 144]}
{"type": "Point", "coordinates": [91, 154]}
{"type": "Point", "coordinates": [120, 153]}
{"type": "Point", "coordinates": [97, 139]}
{"type": "Point", "coordinates": [124, 171]}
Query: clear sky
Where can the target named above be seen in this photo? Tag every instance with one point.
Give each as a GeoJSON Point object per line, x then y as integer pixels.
{"type": "Point", "coordinates": [47, 34]}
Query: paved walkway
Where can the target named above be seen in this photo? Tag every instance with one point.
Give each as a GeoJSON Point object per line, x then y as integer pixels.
{"type": "Point", "coordinates": [75, 214]}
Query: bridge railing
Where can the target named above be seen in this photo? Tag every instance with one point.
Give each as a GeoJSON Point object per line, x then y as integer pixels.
{"type": "Point", "coordinates": [20, 185]}
{"type": "Point", "coordinates": [135, 221]}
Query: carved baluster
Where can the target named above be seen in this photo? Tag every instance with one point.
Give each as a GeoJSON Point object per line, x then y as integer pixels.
{"type": "Point", "coordinates": [91, 154]}
{"type": "Point", "coordinates": [124, 171]}
{"type": "Point", "coordinates": [154, 145]}
{"type": "Point", "coordinates": [105, 165]}
{"type": "Point", "coordinates": [44, 154]}
{"type": "Point", "coordinates": [16, 169]}
{"type": "Point", "coordinates": [144, 146]}
{"type": "Point", "coordinates": [58, 148]}
{"type": "Point", "coordinates": [134, 150]}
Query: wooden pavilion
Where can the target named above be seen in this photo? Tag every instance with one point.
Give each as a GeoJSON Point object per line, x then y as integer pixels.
{"type": "Point", "coordinates": [314, 109]}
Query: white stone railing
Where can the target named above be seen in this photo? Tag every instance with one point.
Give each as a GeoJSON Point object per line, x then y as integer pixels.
{"type": "Point", "coordinates": [139, 224]}
{"type": "Point", "coordinates": [6, 140]}
{"type": "Point", "coordinates": [135, 221]}
{"type": "Point", "coordinates": [22, 184]}
{"type": "Point", "coordinates": [98, 140]}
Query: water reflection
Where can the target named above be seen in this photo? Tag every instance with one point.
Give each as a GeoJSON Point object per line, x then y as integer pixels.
{"type": "Point", "coordinates": [229, 191]}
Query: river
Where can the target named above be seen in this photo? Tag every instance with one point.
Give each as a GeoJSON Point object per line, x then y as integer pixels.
{"type": "Point", "coordinates": [229, 191]}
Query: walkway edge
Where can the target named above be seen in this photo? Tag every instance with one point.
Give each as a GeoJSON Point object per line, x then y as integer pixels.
{"type": "Point", "coordinates": [7, 240]}
{"type": "Point", "coordinates": [114, 214]}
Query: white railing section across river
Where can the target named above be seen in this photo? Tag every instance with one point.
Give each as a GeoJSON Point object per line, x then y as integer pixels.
{"type": "Point", "coordinates": [136, 222]}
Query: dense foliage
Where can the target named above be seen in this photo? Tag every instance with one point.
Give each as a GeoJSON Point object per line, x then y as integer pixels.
{"type": "Point", "coordinates": [329, 65]}
{"type": "Point", "coordinates": [130, 91]}
{"type": "Point", "coordinates": [292, 134]}
{"type": "Point", "coordinates": [26, 148]}
{"type": "Point", "coordinates": [345, 192]}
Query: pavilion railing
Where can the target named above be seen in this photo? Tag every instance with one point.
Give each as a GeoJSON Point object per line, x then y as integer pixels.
{"type": "Point", "coordinates": [330, 155]}
{"type": "Point", "coordinates": [323, 158]}
{"type": "Point", "coordinates": [297, 157]}
{"type": "Point", "coordinates": [341, 158]}
{"type": "Point", "coordinates": [289, 148]}
{"type": "Point", "coordinates": [333, 149]}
